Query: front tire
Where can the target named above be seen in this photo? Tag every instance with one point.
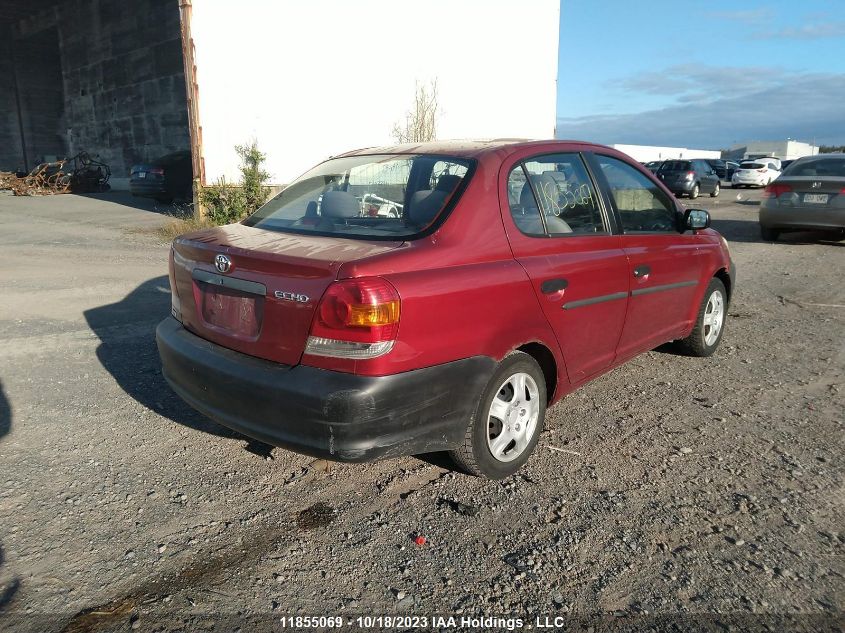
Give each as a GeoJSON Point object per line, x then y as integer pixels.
{"type": "Point", "coordinates": [694, 193]}
{"type": "Point", "coordinates": [709, 323]}
{"type": "Point", "coordinates": [506, 425]}
{"type": "Point", "coordinates": [716, 191]}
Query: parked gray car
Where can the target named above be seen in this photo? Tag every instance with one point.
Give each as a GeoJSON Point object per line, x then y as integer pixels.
{"type": "Point", "coordinates": [808, 195]}
{"type": "Point", "coordinates": [690, 177]}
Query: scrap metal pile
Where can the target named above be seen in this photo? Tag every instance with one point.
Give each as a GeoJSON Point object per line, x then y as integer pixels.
{"type": "Point", "coordinates": [80, 174]}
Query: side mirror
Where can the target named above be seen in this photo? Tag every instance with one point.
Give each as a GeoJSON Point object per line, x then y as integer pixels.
{"type": "Point", "coordinates": [696, 219]}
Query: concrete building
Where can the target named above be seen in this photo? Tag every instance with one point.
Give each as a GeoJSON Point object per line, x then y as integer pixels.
{"type": "Point", "coordinates": [647, 153]}
{"type": "Point", "coordinates": [785, 150]}
{"type": "Point", "coordinates": [129, 82]}
{"type": "Point", "coordinates": [102, 76]}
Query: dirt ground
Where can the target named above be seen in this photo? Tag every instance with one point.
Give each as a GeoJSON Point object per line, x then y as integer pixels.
{"type": "Point", "coordinates": [688, 492]}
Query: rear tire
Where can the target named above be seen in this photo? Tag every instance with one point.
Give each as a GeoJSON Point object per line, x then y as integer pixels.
{"type": "Point", "coordinates": [694, 193]}
{"type": "Point", "coordinates": [709, 323]}
{"type": "Point", "coordinates": [769, 234]}
{"type": "Point", "coordinates": [514, 419]}
{"type": "Point", "coordinates": [716, 191]}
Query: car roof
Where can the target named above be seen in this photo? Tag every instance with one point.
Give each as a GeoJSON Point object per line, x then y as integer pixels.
{"type": "Point", "coordinates": [469, 148]}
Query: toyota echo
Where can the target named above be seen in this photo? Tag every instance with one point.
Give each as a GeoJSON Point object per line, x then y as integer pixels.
{"type": "Point", "coordinates": [511, 273]}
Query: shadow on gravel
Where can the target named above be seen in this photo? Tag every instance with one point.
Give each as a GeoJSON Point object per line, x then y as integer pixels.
{"type": "Point", "coordinates": [128, 352]}
{"type": "Point", "coordinates": [749, 231]}
{"type": "Point", "coordinates": [145, 204]}
{"type": "Point", "coordinates": [5, 413]}
{"type": "Point", "coordinates": [7, 590]}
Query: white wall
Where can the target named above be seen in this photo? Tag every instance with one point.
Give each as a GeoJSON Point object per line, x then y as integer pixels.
{"type": "Point", "coordinates": [646, 153]}
{"type": "Point", "coordinates": [314, 78]}
{"type": "Point", "coordinates": [786, 150]}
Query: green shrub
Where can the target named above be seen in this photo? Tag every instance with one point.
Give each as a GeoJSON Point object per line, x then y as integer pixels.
{"type": "Point", "coordinates": [226, 203]}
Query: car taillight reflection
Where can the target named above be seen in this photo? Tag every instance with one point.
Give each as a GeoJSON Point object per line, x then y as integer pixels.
{"type": "Point", "coordinates": [774, 190]}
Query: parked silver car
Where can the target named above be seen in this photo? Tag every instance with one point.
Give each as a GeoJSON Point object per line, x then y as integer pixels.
{"type": "Point", "coordinates": [809, 195]}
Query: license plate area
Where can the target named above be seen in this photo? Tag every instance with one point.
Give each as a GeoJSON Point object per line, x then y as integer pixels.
{"type": "Point", "coordinates": [233, 306]}
{"type": "Point", "coordinates": [815, 198]}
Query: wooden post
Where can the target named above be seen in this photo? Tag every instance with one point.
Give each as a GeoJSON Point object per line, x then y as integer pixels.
{"type": "Point", "coordinates": [192, 94]}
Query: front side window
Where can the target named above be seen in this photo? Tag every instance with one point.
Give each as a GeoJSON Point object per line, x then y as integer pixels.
{"type": "Point", "coordinates": [388, 196]}
{"type": "Point", "coordinates": [642, 205]}
{"type": "Point", "coordinates": [553, 195]}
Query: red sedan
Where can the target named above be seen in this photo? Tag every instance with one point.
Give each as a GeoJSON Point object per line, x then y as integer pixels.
{"type": "Point", "coordinates": [510, 274]}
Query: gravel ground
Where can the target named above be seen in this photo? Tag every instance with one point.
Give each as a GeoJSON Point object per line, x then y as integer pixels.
{"type": "Point", "coordinates": [672, 492]}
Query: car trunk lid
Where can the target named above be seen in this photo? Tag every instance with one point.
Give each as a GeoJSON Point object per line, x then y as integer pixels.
{"type": "Point", "coordinates": [262, 304]}
{"type": "Point", "coordinates": [811, 191]}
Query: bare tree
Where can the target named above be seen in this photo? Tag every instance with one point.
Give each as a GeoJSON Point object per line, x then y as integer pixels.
{"type": "Point", "coordinates": [420, 123]}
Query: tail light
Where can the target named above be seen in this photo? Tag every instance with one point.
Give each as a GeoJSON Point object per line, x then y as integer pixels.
{"type": "Point", "coordinates": [762, 171]}
{"type": "Point", "coordinates": [372, 210]}
{"type": "Point", "coordinates": [175, 303]}
{"type": "Point", "coordinates": [774, 190]}
{"type": "Point", "coordinates": [356, 319]}
{"type": "Point", "coordinates": [157, 170]}
{"type": "Point", "coordinates": [690, 175]}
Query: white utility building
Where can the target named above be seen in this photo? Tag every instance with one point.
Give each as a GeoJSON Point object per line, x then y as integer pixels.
{"type": "Point", "coordinates": [308, 80]}
{"type": "Point", "coordinates": [647, 153]}
{"type": "Point", "coordinates": [785, 150]}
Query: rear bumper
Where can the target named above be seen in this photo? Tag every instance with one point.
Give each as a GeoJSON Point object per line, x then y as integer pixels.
{"type": "Point", "coordinates": [328, 414]}
{"type": "Point", "coordinates": [147, 187]}
{"type": "Point", "coordinates": [683, 186]}
{"type": "Point", "coordinates": [802, 218]}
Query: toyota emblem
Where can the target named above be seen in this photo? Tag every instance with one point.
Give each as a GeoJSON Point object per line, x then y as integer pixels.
{"type": "Point", "coordinates": [222, 263]}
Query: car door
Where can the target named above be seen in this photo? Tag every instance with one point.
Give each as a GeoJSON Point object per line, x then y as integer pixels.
{"type": "Point", "coordinates": [707, 175]}
{"type": "Point", "coordinates": [560, 232]}
{"type": "Point", "coordinates": [665, 267]}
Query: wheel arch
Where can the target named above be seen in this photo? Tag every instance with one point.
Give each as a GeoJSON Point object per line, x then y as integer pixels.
{"type": "Point", "coordinates": [546, 359]}
{"type": "Point", "coordinates": [723, 276]}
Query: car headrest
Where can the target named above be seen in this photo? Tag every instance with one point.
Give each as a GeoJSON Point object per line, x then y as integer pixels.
{"type": "Point", "coordinates": [340, 204]}
{"type": "Point", "coordinates": [448, 183]}
{"type": "Point", "coordinates": [545, 187]}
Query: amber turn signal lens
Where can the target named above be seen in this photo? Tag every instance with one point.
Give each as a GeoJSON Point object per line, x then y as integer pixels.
{"type": "Point", "coordinates": [373, 315]}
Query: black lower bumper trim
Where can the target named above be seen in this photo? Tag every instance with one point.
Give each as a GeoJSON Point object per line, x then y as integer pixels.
{"type": "Point", "coordinates": [327, 414]}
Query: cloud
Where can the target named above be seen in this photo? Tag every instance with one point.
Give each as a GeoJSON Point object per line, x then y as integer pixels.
{"type": "Point", "coordinates": [804, 106]}
{"type": "Point", "coordinates": [748, 16]}
{"type": "Point", "coordinates": [815, 31]}
{"type": "Point", "coordinates": [696, 82]}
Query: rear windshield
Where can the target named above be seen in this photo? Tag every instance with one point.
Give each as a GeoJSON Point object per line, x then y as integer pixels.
{"type": "Point", "coordinates": [385, 196]}
{"type": "Point", "coordinates": [830, 167]}
{"type": "Point", "coordinates": [675, 165]}
{"type": "Point", "coordinates": [751, 166]}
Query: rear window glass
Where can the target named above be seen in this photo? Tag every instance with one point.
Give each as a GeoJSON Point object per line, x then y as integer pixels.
{"type": "Point", "coordinates": [676, 165]}
{"type": "Point", "coordinates": [830, 167]}
{"type": "Point", "coordinates": [395, 196]}
{"type": "Point", "coordinates": [751, 166]}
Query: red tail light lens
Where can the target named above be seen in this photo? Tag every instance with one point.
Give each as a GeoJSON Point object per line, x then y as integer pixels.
{"type": "Point", "coordinates": [774, 190]}
{"type": "Point", "coordinates": [157, 170]}
{"type": "Point", "coordinates": [690, 175]}
{"type": "Point", "coordinates": [372, 210]}
{"type": "Point", "coordinates": [762, 171]}
{"type": "Point", "coordinates": [356, 318]}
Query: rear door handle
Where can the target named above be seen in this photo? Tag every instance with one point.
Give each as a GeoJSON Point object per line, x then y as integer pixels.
{"type": "Point", "coordinates": [642, 271]}
{"type": "Point", "coordinates": [550, 286]}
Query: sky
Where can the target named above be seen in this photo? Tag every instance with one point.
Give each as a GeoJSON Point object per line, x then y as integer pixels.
{"type": "Point", "coordinates": [704, 75]}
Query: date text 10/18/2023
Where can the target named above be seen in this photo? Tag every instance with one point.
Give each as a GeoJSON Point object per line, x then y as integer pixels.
{"type": "Point", "coordinates": [421, 622]}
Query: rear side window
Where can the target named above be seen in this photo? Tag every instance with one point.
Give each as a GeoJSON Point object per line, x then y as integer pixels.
{"type": "Point", "coordinates": [642, 205]}
{"type": "Point", "coordinates": [831, 167]}
{"type": "Point", "coordinates": [395, 196]}
{"type": "Point", "coordinates": [676, 165]}
{"type": "Point", "coordinates": [553, 195]}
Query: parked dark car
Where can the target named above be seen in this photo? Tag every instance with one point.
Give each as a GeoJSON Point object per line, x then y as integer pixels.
{"type": "Point", "coordinates": [516, 272]}
{"type": "Point", "coordinates": [653, 165]}
{"type": "Point", "coordinates": [166, 179]}
{"type": "Point", "coordinates": [808, 195]}
{"type": "Point", "coordinates": [719, 166]}
{"type": "Point", "coordinates": [689, 177]}
{"type": "Point", "coordinates": [730, 168]}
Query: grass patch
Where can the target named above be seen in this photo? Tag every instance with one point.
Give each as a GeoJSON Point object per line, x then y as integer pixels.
{"type": "Point", "coordinates": [176, 227]}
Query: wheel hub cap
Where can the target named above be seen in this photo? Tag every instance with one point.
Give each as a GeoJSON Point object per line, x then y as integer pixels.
{"type": "Point", "coordinates": [512, 418]}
